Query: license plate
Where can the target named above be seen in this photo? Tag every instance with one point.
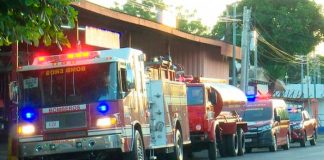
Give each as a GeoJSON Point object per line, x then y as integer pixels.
{"type": "Point", "coordinates": [53, 124]}
{"type": "Point", "coordinates": [248, 140]}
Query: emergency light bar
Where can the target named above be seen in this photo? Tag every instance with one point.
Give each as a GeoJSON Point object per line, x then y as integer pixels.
{"type": "Point", "coordinates": [252, 97]}
{"type": "Point", "coordinates": [65, 57]}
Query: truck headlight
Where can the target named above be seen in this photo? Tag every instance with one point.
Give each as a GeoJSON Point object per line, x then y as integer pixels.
{"type": "Point", "coordinates": [26, 129]}
{"type": "Point", "coordinates": [106, 121]}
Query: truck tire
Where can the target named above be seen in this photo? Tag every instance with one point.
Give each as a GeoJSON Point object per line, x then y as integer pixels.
{"type": "Point", "coordinates": [241, 142]}
{"type": "Point", "coordinates": [138, 152]}
{"type": "Point", "coordinates": [231, 143]}
{"type": "Point", "coordinates": [287, 145]}
{"type": "Point", "coordinates": [313, 140]}
{"type": "Point", "coordinates": [178, 148]}
{"type": "Point", "coordinates": [303, 141]}
{"type": "Point", "coordinates": [222, 147]}
{"type": "Point", "coordinates": [212, 149]}
{"type": "Point", "coordinates": [274, 146]}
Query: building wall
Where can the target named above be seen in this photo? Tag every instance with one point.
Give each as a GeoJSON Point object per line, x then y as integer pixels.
{"type": "Point", "coordinates": [198, 59]}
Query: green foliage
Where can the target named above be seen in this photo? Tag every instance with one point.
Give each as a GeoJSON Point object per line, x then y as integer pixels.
{"type": "Point", "coordinates": [294, 26]}
{"type": "Point", "coordinates": [33, 20]}
{"type": "Point", "coordinates": [188, 23]}
{"type": "Point", "coordinates": [147, 9]}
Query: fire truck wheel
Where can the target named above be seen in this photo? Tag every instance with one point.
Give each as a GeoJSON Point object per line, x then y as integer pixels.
{"type": "Point", "coordinates": [231, 142]}
{"type": "Point", "coordinates": [137, 152]}
{"type": "Point", "coordinates": [212, 150]}
{"type": "Point", "coordinates": [178, 148]}
{"type": "Point", "coordinates": [313, 140]}
{"type": "Point", "coordinates": [221, 147]}
{"type": "Point", "coordinates": [241, 142]}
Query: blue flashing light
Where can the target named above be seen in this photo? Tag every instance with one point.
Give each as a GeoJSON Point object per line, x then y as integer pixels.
{"type": "Point", "coordinates": [103, 108]}
{"type": "Point", "coordinates": [250, 98]}
{"type": "Point", "coordinates": [28, 114]}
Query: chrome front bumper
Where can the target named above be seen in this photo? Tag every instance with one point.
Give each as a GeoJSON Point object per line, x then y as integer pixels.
{"type": "Point", "coordinates": [42, 148]}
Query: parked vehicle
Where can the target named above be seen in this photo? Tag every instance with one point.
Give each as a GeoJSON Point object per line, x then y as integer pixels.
{"type": "Point", "coordinates": [268, 125]}
{"type": "Point", "coordinates": [93, 103]}
{"type": "Point", "coordinates": [213, 120]}
{"type": "Point", "coordinates": [303, 128]}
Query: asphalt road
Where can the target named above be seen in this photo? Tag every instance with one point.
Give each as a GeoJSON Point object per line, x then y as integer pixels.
{"type": "Point", "coordinates": [3, 151]}
{"type": "Point", "coordinates": [294, 153]}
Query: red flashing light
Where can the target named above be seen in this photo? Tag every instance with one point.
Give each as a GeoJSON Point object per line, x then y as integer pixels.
{"type": "Point", "coordinates": [85, 54]}
{"type": "Point", "coordinates": [66, 57]}
{"type": "Point", "coordinates": [70, 56]}
{"type": "Point", "coordinates": [78, 55]}
{"type": "Point", "coordinates": [41, 59]}
{"type": "Point", "coordinates": [263, 96]}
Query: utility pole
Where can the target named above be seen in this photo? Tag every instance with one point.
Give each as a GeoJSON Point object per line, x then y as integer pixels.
{"type": "Point", "coordinates": [245, 49]}
{"type": "Point", "coordinates": [307, 72]}
{"type": "Point", "coordinates": [254, 48]}
{"type": "Point", "coordinates": [318, 72]}
{"type": "Point", "coordinates": [314, 75]}
{"type": "Point", "coordinates": [234, 48]}
{"type": "Point", "coordinates": [286, 77]}
{"type": "Point", "coordinates": [255, 36]}
{"type": "Point", "coordinates": [302, 76]}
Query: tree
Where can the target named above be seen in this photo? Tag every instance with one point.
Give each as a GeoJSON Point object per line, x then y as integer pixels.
{"type": "Point", "coordinates": [33, 20]}
{"type": "Point", "coordinates": [147, 9]}
{"type": "Point", "coordinates": [293, 26]}
{"type": "Point", "coordinates": [188, 23]}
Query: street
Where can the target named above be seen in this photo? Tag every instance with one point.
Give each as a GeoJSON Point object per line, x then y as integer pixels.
{"type": "Point", "coordinates": [294, 153]}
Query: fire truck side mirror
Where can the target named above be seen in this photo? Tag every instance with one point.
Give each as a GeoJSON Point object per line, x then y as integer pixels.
{"type": "Point", "coordinates": [13, 91]}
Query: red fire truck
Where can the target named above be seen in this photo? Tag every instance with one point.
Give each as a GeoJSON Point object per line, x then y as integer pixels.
{"type": "Point", "coordinates": [213, 120]}
{"type": "Point", "coordinates": [89, 104]}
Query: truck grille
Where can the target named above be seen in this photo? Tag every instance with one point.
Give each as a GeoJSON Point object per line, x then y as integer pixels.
{"type": "Point", "coordinates": [65, 135]}
{"type": "Point", "coordinates": [70, 120]}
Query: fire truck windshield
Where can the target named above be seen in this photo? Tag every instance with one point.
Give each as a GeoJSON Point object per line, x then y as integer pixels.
{"type": "Point", "coordinates": [195, 96]}
{"type": "Point", "coordinates": [69, 85]}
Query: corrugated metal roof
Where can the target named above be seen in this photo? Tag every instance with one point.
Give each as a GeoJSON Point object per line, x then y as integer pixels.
{"type": "Point", "coordinates": [226, 48]}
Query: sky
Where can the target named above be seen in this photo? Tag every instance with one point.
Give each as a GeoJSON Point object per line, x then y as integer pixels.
{"type": "Point", "coordinates": [207, 10]}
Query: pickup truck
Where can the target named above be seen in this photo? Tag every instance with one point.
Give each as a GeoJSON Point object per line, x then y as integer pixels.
{"type": "Point", "coordinates": [303, 128]}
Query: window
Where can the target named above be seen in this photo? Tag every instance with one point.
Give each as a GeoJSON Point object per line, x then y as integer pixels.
{"type": "Point", "coordinates": [69, 85]}
{"type": "Point", "coordinates": [257, 114]}
{"type": "Point", "coordinates": [130, 77]}
{"type": "Point", "coordinates": [195, 95]}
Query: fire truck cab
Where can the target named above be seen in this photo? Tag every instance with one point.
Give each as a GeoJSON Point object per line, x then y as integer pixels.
{"type": "Point", "coordinates": [96, 102]}
{"type": "Point", "coordinates": [213, 120]}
